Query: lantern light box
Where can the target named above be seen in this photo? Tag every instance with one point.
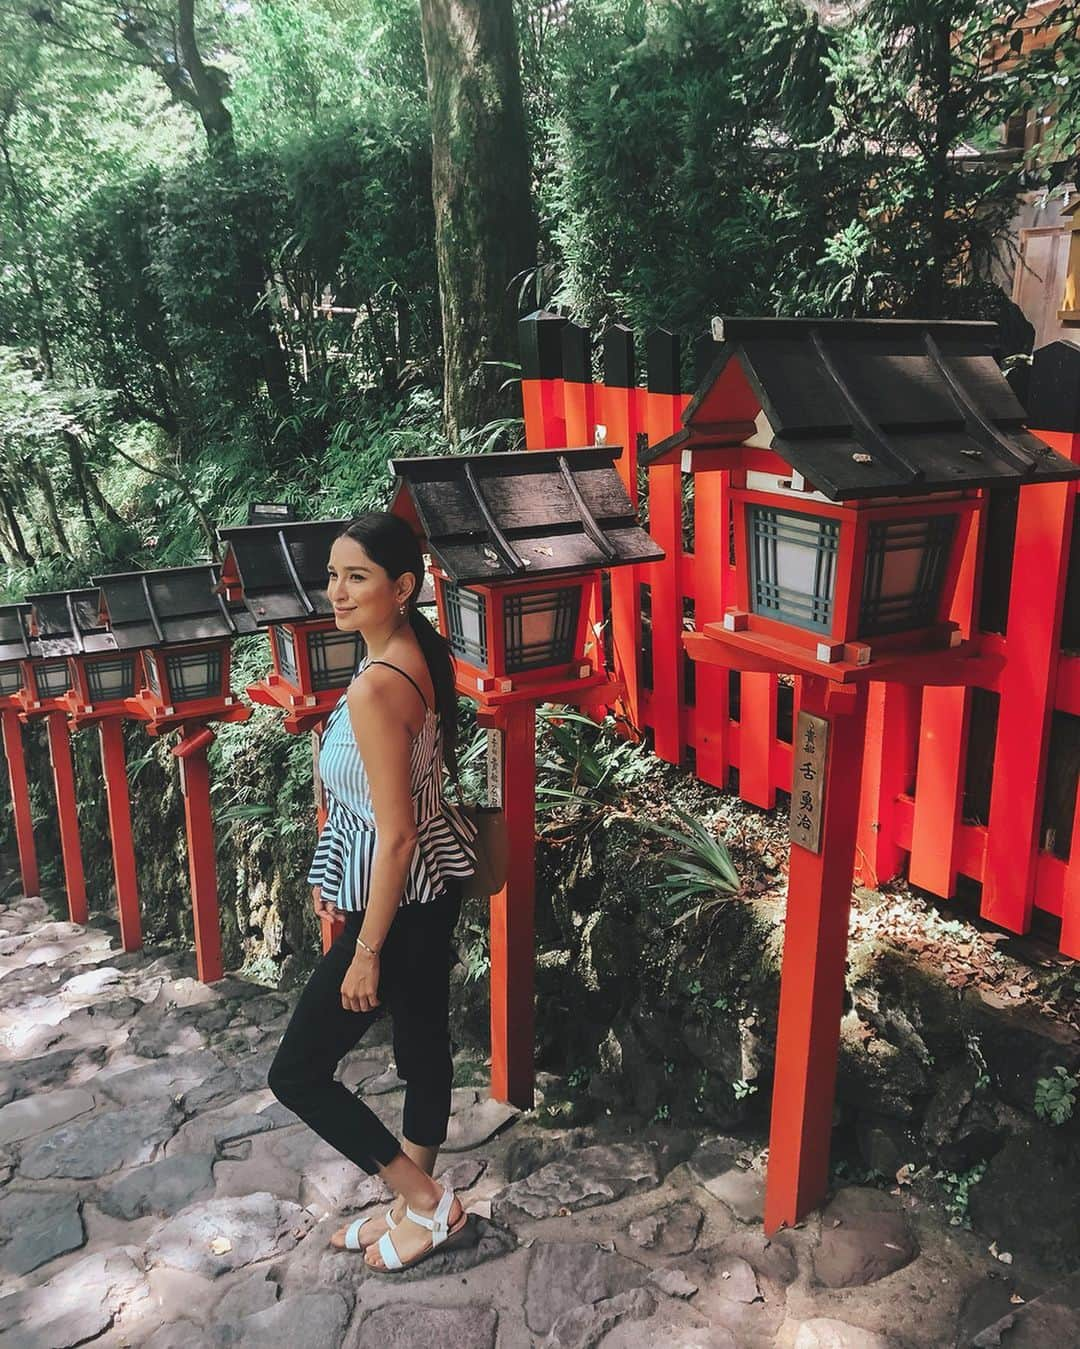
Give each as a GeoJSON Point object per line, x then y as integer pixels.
{"type": "Point", "coordinates": [14, 651]}
{"type": "Point", "coordinates": [279, 572]}
{"type": "Point", "coordinates": [182, 630]}
{"type": "Point", "coordinates": [859, 454]}
{"type": "Point", "coordinates": [516, 542]}
{"type": "Point", "coordinates": [70, 624]}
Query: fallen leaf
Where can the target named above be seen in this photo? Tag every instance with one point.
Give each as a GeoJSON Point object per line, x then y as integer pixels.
{"type": "Point", "coordinates": [892, 1246]}
{"type": "Point", "coordinates": [608, 1246]}
{"type": "Point", "coordinates": [565, 1212]}
{"type": "Point", "coordinates": [221, 1245]}
{"type": "Point", "coordinates": [1005, 1257]}
{"type": "Point", "coordinates": [1016, 1299]}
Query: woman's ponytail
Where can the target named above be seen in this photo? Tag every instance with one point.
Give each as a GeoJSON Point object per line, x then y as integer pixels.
{"type": "Point", "coordinates": [440, 665]}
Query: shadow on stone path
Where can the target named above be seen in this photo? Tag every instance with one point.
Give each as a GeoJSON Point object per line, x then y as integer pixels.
{"type": "Point", "coordinates": [154, 1194]}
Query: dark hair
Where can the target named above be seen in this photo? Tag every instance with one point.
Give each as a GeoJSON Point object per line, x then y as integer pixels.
{"type": "Point", "coordinates": [390, 543]}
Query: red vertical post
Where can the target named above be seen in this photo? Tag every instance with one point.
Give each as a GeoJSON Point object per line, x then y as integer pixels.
{"type": "Point", "coordinates": [664, 408]}
{"type": "Point", "coordinates": [888, 770]}
{"type": "Point", "coordinates": [712, 585]}
{"type": "Point", "coordinates": [540, 341]}
{"type": "Point", "coordinates": [579, 405]}
{"type": "Point", "coordinates": [512, 916]}
{"type": "Point", "coordinates": [757, 735]}
{"type": "Point", "coordinates": [1036, 601]}
{"type": "Point", "coordinates": [67, 811]}
{"type": "Point", "coordinates": [943, 747]}
{"type": "Point", "coordinates": [114, 770]}
{"type": "Point", "coordinates": [20, 801]}
{"type": "Point", "coordinates": [202, 867]}
{"type": "Point", "coordinates": [579, 391]}
{"type": "Point", "coordinates": [1070, 906]}
{"type": "Point", "coordinates": [711, 682]}
{"type": "Point", "coordinates": [618, 412]}
{"type": "Point", "coordinates": [813, 973]}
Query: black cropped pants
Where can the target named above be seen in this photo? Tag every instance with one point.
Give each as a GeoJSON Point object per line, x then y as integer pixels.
{"type": "Point", "coordinates": [414, 986]}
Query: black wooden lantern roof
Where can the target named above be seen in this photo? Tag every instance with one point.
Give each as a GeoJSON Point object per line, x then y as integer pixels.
{"type": "Point", "coordinates": [69, 623]}
{"type": "Point", "coordinates": [14, 632]}
{"type": "Point", "coordinates": [869, 407]}
{"type": "Point", "coordinates": [506, 517]}
{"type": "Point", "coordinates": [169, 606]}
{"type": "Point", "coordinates": [281, 567]}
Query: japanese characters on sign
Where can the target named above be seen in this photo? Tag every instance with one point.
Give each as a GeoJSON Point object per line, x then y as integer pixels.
{"type": "Point", "coordinates": [494, 768]}
{"type": "Point", "coordinates": [808, 781]}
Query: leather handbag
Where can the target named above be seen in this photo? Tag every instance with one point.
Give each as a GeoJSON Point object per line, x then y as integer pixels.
{"type": "Point", "coordinates": [492, 847]}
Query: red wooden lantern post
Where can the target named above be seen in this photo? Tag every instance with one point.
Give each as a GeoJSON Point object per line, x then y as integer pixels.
{"type": "Point", "coordinates": [45, 683]}
{"type": "Point", "coordinates": [100, 680]}
{"type": "Point", "coordinates": [871, 449]}
{"type": "Point", "coordinates": [14, 652]}
{"type": "Point", "coordinates": [182, 629]}
{"type": "Point", "coordinates": [517, 542]}
{"type": "Point", "coordinates": [278, 569]}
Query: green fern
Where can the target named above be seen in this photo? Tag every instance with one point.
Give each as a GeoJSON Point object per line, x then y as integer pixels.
{"type": "Point", "coordinates": [699, 874]}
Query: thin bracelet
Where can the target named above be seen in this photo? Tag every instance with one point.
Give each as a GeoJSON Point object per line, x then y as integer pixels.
{"type": "Point", "coordinates": [369, 949]}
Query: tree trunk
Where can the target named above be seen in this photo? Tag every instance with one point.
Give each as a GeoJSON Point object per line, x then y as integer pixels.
{"type": "Point", "coordinates": [484, 228]}
{"type": "Point", "coordinates": [43, 482]}
{"type": "Point", "coordinates": [933, 305]}
{"type": "Point", "coordinates": [29, 260]}
{"type": "Point", "coordinates": [16, 534]}
{"type": "Point", "coordinates": [206, 90]}
{"type": "Point", "coordinates": [78, 475]}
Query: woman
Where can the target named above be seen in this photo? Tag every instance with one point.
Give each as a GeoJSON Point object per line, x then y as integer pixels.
{"type": "Point", "coordinates": [390, 856]}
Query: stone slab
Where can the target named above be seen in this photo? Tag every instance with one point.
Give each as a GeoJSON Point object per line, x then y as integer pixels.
{"type": "Point", "coordinates": [220, 1235]}
{"type": "Point", "coordinates": [586, 1326]}
{"type": "Point", "coordinates": [76, 1305]}
{"type": "Point", "coordinates": [865, 1235]}
{"type": "Point", "coordinates": [672, 1230]}
{"type": "Point", "coordinates": [162, 1077]}
{"type": "Point", "coordinates": [313, 1320]}
{"type": "Point", "coordinates": [476, 1123]}
{"type": "Point", "coordinates": [101, 1144]}
{"type": "Point", "coordinates": [35, 1228]}
{"type": "Point", "coordinates": [826, 1332]}
{"type": "Point", "coordinates": [565, 1275]}
{"type": "Point", "coordinates": [596, 1175]}
{"type": "Point", "coordinates": [163, 1187]}
{"type": "Point", "coordinates": [406, 1327]}
{"type": "Point", "coordinates": [44, 1110]}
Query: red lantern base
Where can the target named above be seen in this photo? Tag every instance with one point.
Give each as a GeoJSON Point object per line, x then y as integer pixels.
{"type": "Point", "coordinates": [819, 894]}
{"type": "Point", "coordinates": [20, 800]}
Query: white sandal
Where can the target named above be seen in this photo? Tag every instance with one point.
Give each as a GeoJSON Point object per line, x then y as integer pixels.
{"type": "Point", "coordinates": [352, 1232]}
{"type": "Point", "coordinates": [437, 1225]}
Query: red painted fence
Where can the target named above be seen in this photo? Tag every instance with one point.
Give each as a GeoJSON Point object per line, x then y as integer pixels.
{"type": "Point", "coordinates": [980, 784]}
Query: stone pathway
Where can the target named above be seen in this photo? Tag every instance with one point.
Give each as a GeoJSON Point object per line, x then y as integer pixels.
{"type": "Point", "coordinates": [154, 1194]}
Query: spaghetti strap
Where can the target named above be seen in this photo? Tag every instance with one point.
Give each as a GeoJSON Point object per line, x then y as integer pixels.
{"type": "Point", "coordinates": [406, 674]}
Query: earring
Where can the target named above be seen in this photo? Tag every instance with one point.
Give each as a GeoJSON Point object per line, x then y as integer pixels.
{"type": "Point", "coordinates": [403, 609]}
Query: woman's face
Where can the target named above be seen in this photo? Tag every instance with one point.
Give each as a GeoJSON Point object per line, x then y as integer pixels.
{"type": "Point", "coordinates": [364, 596]}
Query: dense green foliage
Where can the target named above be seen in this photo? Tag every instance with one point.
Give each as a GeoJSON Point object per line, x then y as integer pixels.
{"type": "Point", "coordinates": [218, 279]}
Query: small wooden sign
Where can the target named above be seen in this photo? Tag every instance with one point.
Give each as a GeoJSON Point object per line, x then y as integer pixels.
{"type": "Point", "coordinates": [494, 768]}
{"type": "Point", "coordinates": [809, 755]}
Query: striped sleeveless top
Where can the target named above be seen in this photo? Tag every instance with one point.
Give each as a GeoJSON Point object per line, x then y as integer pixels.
{"type": "Point", "coordinates": [346, 849]}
